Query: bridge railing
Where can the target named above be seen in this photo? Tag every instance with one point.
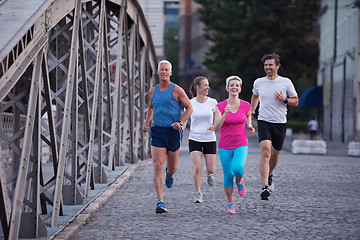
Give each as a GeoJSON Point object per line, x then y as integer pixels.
{"type": "Point", "coordinates": [87, 66]}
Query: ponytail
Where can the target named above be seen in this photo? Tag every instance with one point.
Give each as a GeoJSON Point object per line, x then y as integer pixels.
{"type": "Point", "coordinates": [193, 90]}
{"type": "Point", "coordinates": [196, 82]}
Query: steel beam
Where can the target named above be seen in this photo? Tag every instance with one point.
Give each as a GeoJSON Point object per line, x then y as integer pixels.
{"type": "Point", "coordinates": [66, 57]}
{"type": "Point", "coordinates": [25, 155]}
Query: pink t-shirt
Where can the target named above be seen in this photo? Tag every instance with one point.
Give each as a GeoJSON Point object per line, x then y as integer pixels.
{"type": "Point", "coordinates": [233, 132]}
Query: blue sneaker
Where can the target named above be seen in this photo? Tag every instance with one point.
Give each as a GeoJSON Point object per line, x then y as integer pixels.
{"type": "Point", "coordinates": [169, 180]}
{"type": "Point", "coordinates": [160, 207]}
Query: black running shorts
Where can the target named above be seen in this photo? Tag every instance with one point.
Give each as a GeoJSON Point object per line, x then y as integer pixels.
{"type": "Point", "coordinates": [204, 147]}
{"type": "Point", "coordinates": [275, 132]}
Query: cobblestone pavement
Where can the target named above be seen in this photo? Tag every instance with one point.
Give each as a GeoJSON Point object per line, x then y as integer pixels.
{"type": "Point", "coordinates": [315, 197]}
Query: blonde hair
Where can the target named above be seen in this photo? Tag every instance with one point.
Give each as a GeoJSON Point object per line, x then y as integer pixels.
{"type": "Point", "coordinates": [233, 78]}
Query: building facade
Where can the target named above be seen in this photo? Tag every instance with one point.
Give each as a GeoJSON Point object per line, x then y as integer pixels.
{"type": "Point", "coordinates": [339, 69]}
{"type": "Point", "coordinates": [159, 15]}
{"type": "Point", "coordinates": [192, 45]}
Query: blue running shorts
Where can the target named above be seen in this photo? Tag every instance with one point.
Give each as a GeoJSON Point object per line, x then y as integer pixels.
{"type": "Point", "coordinates": [166, 137]}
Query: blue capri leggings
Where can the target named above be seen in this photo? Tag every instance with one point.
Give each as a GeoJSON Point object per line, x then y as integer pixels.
{"type": "Point", "coordinates": [233, 162]}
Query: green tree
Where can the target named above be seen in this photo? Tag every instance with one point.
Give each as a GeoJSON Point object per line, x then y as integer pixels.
{"type": "Point", "coordinates": [171, 48]}
{"type": "Point", "coordinates": [242, 31]}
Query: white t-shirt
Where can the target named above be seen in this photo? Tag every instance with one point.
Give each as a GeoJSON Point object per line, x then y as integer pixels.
{"type": "Point", "coordinates": [201, 119]}
{"type": "Point", "coordinates": [270, 109]}
{"type": "Point", "coordinates": [313, 125]}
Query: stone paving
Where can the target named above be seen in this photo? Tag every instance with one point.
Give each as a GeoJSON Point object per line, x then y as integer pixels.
{"type": "Point", "coordinates": [315, 197]}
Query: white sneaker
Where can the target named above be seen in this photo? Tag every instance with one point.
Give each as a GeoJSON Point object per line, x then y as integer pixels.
{"type": "Point", "coordinates": [198, 197]}
{"type": "Point", "coordinates": [271, 185]}
{"type": "Point", "coordinates": [210, 179]}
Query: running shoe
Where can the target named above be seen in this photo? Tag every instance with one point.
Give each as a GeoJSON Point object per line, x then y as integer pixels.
{"type": "Point", "coordinates": [271, 183]}
{"type": "Point", "coordinates": [241, 187]}
{"type": "Point", "coordinates": [169, 180]}
{"type": "Point", "coordinates": [230, 207]}
{"type": "Point", "coordinates": [265, 193]}
{"type": "Point", "coordinates": [160, 207]}
{"type": "Point", "coordinates": [210, 179]}
{"type": "Point", "coordinates": [198, 197]}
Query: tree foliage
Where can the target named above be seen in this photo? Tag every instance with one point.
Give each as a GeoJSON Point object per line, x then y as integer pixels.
{"type": "Point", "coordinates": [171, 46]}
{"type": "Point", "coordinates": [242, 31]}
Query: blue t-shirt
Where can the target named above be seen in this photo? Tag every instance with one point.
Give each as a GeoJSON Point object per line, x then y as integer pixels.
{"type": "Point", "coordinates": [166, 109]}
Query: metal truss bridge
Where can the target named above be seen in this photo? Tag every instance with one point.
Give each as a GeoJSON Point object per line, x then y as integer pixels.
{"type": "Point", "coordinates": [74, 77]}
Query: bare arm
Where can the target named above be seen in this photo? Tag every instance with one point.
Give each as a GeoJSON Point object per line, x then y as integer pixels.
{"type": "Point", "coordinates": [212, 127]}
{"type": "Point", "coordinates": [184, 125]}
{"type": "Point", "coordinates": [149, 114]}
{"type": "Point", "coordinates": [254, 104]}
{"type": "Point", "coordinates": [292, 101]}
{"type": "Point", "coordinates": [220, 118]}
{"type": "Point", "coordinates": [181, 96]}
{"type": "Point", "coordinates": [248, 121]}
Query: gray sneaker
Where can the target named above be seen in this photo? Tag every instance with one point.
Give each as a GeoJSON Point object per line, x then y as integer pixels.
{"type": "Point", "coordinates": [198, 197]}
{"type": "Point", "coordinates": [210, 179]}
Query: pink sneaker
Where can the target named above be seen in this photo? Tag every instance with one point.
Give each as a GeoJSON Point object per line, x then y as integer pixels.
{"type": "Point", "coordinates": [230, 207]}
{"type": "Point", "coordinates": [241, 187]}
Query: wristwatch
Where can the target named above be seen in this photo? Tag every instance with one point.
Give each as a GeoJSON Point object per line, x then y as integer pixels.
{"type": "Point", "coordinates": [181, 123]}
{"type": "Point", "coordinates": [286, 101]}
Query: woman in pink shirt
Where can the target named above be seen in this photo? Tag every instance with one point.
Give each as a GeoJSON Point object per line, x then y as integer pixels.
{"type": "Point", "coordinates": [231, 115]}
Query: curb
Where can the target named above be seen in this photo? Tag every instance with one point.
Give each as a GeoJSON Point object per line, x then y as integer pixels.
{"type": "Point", "coordinates": [84, 215]}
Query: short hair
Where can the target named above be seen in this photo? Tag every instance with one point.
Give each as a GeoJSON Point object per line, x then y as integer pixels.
{"type": "Point", "coordinates": [233, 78]}
{"type": "Point", "coordinates": [271, 56]}
{"type": "Point", "coordinates": [165, 61]}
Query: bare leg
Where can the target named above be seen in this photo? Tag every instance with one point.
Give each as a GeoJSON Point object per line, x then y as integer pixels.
{"type": "Point", "coordinates": [274, 159]}
{"type": "Point", "coordinates": [158, 156]}
{"type": "Point", "coordinates": [238, 179]}
{"type": "Point", "coordinates": [264, 164]}
{"type": "Point", "coordinates": [210, 163]}
{"type": "Point", "coordinates": [172, 161]}
{"type": "Point", "coordinates": [229, 193]}
{"type": "Point", "coordinates": [196, 157]}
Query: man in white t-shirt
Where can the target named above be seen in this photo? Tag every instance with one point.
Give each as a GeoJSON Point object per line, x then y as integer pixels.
{"type": "Point", "coordinates": [313, 128]}
{"type": "Point", "coordinates": [274, 93]}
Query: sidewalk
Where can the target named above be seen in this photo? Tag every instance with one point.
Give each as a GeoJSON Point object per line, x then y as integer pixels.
{"type": "Point", "coordinates": [314, 197]}
{"type": "Point", "coordinates": [333, 148]}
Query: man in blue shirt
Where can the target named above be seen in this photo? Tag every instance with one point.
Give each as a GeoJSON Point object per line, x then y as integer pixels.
{"type": "Point", "coordinates": [164, 109]}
